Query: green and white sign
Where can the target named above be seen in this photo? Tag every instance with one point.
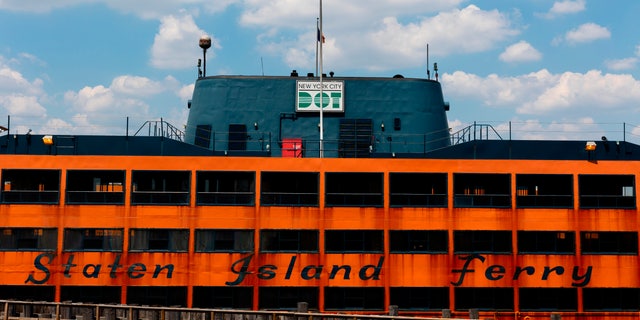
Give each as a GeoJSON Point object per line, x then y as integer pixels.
{"type": "Point", "coordinates": [308, 96]}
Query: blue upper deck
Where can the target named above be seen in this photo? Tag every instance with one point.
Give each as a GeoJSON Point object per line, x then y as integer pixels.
{"type": "Point", "coordinates": [259, 114]}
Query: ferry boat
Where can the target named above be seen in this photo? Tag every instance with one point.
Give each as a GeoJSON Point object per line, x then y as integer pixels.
{"type": "Point", "coordinates": [268, 200]}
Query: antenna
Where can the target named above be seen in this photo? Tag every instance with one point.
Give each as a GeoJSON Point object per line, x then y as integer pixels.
{"type": "Point", "coordinates": [205, 43]}
{"type": "Point", "coordinates": [428, 71]}
{"type": "Point", "coordinates": [262, 66]}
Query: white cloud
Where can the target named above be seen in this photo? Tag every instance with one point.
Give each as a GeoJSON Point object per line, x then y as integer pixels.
{"type": "Point", "coordinates": [637, 50]}
{"type": "Point", "coordinates": [622, 64]}
{"type": "Point", "coordinates": [175, 35]}
{"type": "Point", "coordinates": [565, 7]}
{"type": "Point", "coordinates": [141, 86]}
{"type": "Point", "coordinates": [544, 93]}
{"type": "Point", "coordinates": [23, 106]}
{"type": "Point", "coordinates": [520, 52]}
{"type": "Point", "coordinates": [388, 42]}
{"type": "Point", "coordinates": [587, 32]}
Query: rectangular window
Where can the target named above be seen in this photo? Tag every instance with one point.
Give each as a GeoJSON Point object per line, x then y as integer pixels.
{"type": "Point", "coordinates": [483, 299]}
{"type": "Point", "coordinates": [29, 239]}
{"type": "Point", "coordinates": [93, 240]}
{"type": "Point", "coordinates": [28, 293]}
{"type": "Point", "coordinates": [157, 296]}
{"type": "Point", "coordinates": [160, 187]}
{"type": "Point", "coordinates": [548, 299]}
{"type": "Point", "coordinates": [417, 189]}
{"type": "Point", "coordinates": [611, 299]}
{"type": "Point", "coordinates": [482, 241]}
{"type": "Point", "coordinates": [30, 186]}
{"type": "Point", "coordinates": [609, 242]}
{"type": "Point", "coordinates": [290, 189]}
{"type": "Point", "coordinates": [171, 240]}
{"type": "Point", "coordinates": [544, 191]}
{"type": "Point", "coordinates": [354, 189]}
{"type": "Point", "coordinates": [482, 190]}
{"type": "Point", "coordinates": [93, 294]}
{"type": "Point", "coordinates": [418, 241]}
{"type": "Point", "coordinates": [225, 188]}
{"type": "Point", "coordinates": [546, 242]}
{"type": "Point", "coordinates": [607, 191]}
{"type": "Point", "coordinates": [421, 298]}
{"type": "Point", "coordinates": [224, 240]}
{"type": "Point", "coordinates": [340, 241]}
{"type": "Point", "coordinates": [370, 298]}
{"type": "Point", "coordinates": [287, 298]}
{"type": "Point", "coordinates": [289, 240]}
{"type": "Point", "coordinates": [223, 297]}
{"type": "Point", "coordinates": [95, 187]}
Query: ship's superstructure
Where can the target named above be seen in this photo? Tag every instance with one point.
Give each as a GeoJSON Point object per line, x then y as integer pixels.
{"type": "Point", "coordinates": [246, 214]}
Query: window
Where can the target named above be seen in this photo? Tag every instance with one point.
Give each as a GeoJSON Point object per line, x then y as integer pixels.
{"type": "Point", "coordinates": [156, 295]}
{"type": "Point", "coordinates": [560, 299]}
{"type": "Point", "coordinates": [338, 241]}
{"type": "Point", "coordinates": [370, 298]}
{"type": "Point", "coordinates": [544, 191]}
{"type": "Point", "coordinates": [287, 297]}
{"type": "Point", "coordinates": [607, 191]}
{"type": "Point", "coordinates": [418, 241]}
{"type": "Point", "coordinates": [93, 294]}
{"type": "Point", "coordinates": [482, 190]}
{"type": "Point", "coordinates": [223, 297]}
{"type": "Point", "coordinates": [95, 186]}
{"type": "Point", "coordinates": [483, 299]}
{"type": "Point", "coordinates": [172, 240]}
{"type": "Point", "coordinates": [546, 242]}
{"type": "Point", "coordinates": [224, 240]}
{"type": "Point", "coordinates": [611, 299]}
{"type": "Point", "coordinates": [160, 187]}
{"type": "Point", "coordinates": [482, 241]}
{"type": "Point", "coordinates": [30, 186]}
{"type": "Point", "coordinates": [354, 189]}
{"type": "Point", "coordinates": [289, 240]}
{"type": "Point", "coordinates": [29, 239]}
{"type": "Point", "coordinates": [93, 240]}
{"type": "Point", "coordinates": [28, 293]}
{"type": "Point", "coordinates": [290, 188]}
{"type": "Point", "coordinates": [417, 189]}
{"type": "Point", "coordinates": [225, 188]}
{"type": "Point", "coordinates": [609, 242]}
{"type": "Point", "coordinates": [407, 298]}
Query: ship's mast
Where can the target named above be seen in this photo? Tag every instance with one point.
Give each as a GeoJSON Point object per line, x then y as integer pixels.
{"type": "Point", "coordinates": [321, 86]}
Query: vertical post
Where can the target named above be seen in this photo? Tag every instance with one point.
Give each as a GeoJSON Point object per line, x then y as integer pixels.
{"type": "Point", "coordinates": [321, 89]}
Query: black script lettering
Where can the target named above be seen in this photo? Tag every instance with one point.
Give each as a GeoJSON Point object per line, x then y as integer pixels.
{"type": "Point", "coordinates": [547, 271]}
{"type": "Point", "coordinates": [465, 267]}
{"type": "Point", "coordinates": [38, 265]}
{"type": "Point", "coordinates": [529, 269]}
{"type": "Point", "coordinates": [586, 277]}
{"type": "Point", "coordinates": [94, 274]}
{"type": "Point", "coordinates": [316, 275]}
{"type": "Point", "coordinates": [242, 272]}
{"type": "Point", "coordinates": [267, 272]}
{"type": "Point", "coordinates": [116, 264]}
{"type": "Point", "coordinates": [159, 268]}
{"type": "Point", "coordinates": [336, 268]}
{"type": "Point", "coordinates": [136, 270]}
{"type": "Point", "coordinates": [292, 262]}
{"type": "Point", "coordinates": [495, 272]}
{"type": "Point", "coordinates": [68, 266]}
{"type": "Point", "coordinates": [376, 271]}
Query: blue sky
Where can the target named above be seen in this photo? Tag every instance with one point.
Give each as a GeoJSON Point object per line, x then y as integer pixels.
{"type": "Point", "coordinates": [553, 69]}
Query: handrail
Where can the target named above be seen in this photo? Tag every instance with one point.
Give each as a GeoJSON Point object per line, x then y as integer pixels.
{"type": "Point", "coordinates": [161, 128]}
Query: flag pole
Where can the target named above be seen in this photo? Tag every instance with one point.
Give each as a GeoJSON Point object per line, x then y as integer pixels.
{"type": "Point", "coordinates": [317, 41]}
{"type": "Point", "coordinates": [321, 87]}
